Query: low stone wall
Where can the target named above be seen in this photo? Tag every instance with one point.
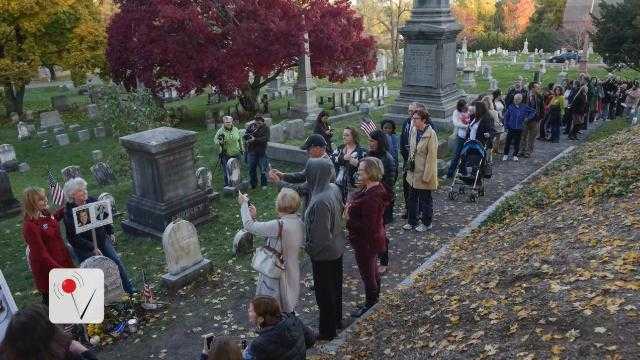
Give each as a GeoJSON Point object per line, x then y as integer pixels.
{"type": "Point", "coordinates": [288, 153]}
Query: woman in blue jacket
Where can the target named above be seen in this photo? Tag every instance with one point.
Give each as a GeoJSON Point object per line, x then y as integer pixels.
{"type": "Point", "coordinates": [515, 117]}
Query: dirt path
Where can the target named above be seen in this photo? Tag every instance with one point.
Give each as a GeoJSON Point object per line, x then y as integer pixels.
{"type": "Point", "coordinates": [219, 304]}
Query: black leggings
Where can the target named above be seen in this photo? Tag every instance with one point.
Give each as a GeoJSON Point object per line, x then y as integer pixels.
{"type": "Point", "coordinates": [513, 137]}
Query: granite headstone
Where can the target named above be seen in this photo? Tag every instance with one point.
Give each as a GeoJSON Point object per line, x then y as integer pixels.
{"type": "Point", "coordinates": [103, 174]}
{"type": "Point", "coordinates": [8, 204]}
{"type": "Point", "coordinates": [182, 253]}
{"type": "Point", "coordinates": [50, 119]}
{"type": "Point", "coordinates": [70, 172]}
{"type": "Point", "coordinates": [113, 291]}
{"type": "Point", "coordinates": [8, 159]}
{"type": "Point", "coordinates": [62, 139]}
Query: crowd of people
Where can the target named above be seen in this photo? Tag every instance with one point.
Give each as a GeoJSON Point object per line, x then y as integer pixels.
{"type": "Point", "coordinates": [344, 194]}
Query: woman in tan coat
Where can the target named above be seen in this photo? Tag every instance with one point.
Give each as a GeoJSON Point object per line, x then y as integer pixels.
{"type": "Point", "coordinates": [422, 174]}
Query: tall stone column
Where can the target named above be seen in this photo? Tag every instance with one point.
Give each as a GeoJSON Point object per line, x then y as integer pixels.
{"type": "Point", "coordinates": [306, 106]}
{"type": "Point", "coordinates": [429, 62]}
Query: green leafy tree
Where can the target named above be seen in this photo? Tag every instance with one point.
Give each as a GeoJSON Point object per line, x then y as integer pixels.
{"type": "Point", "coordinates": [617, 34]}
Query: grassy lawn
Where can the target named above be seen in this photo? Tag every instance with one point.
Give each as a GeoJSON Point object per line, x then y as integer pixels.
{"type": "Point", "coordinates": [39, 99]}
{"type": "Point", "coordinates": [138, 254]}
{"type": "Point", "coordinates": [609, 128]}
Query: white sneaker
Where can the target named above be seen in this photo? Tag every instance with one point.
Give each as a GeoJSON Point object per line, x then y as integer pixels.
{"type": "Point", "coordinates": [408, 227]}
{"type": "Point", "coordinates": [422, 228]}
{"type": "Point", "coordinates": [515, 158]}
{"type": "Point", "coordinates": [505, 157]}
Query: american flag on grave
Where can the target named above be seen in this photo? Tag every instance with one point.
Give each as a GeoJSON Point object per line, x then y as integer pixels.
{"type": "Point", "coordinates": [55, 191]}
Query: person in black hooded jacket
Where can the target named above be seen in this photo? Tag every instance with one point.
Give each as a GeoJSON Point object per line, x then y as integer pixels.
{"type": "Point", "coordinates": [281, 336]}
{"type": "Point", "coordinates": [378, 148]}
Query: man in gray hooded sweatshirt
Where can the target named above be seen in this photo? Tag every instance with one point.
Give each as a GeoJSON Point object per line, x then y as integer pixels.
{"type": "Point", "coordinates": [324, 243]}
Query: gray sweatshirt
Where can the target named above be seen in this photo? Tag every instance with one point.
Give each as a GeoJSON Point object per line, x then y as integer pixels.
{"type": "Point", "coordinates": [325, 238]}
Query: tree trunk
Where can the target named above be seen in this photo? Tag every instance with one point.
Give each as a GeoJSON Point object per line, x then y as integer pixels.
{"type": "Point", "coordinates": [52, 72]}
{"type": "Point", "coordinates": [14, 99]}
{"type": "Point", "coordinates": [249, 100]}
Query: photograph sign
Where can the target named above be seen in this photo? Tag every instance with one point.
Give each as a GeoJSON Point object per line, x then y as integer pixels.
{"type": "Point", "coordinates": [7, 306]}
{"type": "Point", "coordinates": [92, 215]}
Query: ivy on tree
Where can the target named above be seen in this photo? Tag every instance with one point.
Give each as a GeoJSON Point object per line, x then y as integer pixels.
{"type": "Point", "coordinates": [235, 45]}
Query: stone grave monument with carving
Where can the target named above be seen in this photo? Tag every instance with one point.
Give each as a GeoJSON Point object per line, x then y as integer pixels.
{"type": "Point", "coordinates": [164, 182]}
{"type": "Point", "coordinates": [182, 252]}
{"type": "Point", "coordinates": [113, 290]}
{"type": "Point", "coordinates": [9, 206]}
{"type": "Point", "coordinates": [429, 62]}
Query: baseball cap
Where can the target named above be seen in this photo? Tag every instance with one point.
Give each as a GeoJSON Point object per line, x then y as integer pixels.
{"type": "Point", "coordinates": [314, 140]}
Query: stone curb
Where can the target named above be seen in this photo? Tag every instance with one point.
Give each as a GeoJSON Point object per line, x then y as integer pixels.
{"type": "Point", "coordinates": [332, 347]}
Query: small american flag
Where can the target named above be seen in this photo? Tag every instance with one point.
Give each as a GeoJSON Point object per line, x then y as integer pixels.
{"type": "Point", "coordinates": [367, 126]}
{"type": "Point", "coordinates": [57, 196]}
{"type": "Point", "coordinates": [147, 291]}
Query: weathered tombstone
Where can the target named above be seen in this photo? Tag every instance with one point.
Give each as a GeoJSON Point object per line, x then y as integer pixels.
{"type": "Point", "coordinates": [182, 253]}
{"type": "Point", "coordinates": [210, 124]}
{"type": "Point", "coordinates": [486, 72]}
{"type": "Point", "coordinates": [468, 78]}
{"type": "Point", "coordinates": [294, 129]}
{"type": "Point", "coordinates": [343, 99]}
{"type": "Point", "coordinates": [74, 128]}
{"type": "Point", "coordinates": [60, 102]}
{"type": "Point", "coordinates": [84, 135]}
{"type": "Point", "coordinates": [233, 172]}
{"type": "Point", "coordinates": [8, 160]}
{"type": "Point", "coordinates": [277, 133]}
{"type": "Point", "coordinates": [243, 243]}
{"type": "Point", "coordinates": [103, 174]}
{"type": "Point", "coordinates": [62, 139]}
{"type": "Point", "coordinates": [28, 115]}
{"type": "Point", "coordinates": [99, 132]}
{"type": "Point", "coordinates": [493, 84]}
{"type": "Point", "coordinates": [58, 130]}
{"type": "Point", "coordinates": [23, 131]}
{"type": "Point", "coordinates": [70, 172]}
{"type": "Point", "coordinates": [50, 119]}
{"type": "Point", "coordinates": [96, 155]}
{"type": "Point", "coordinates": [23, 167]}
{"type": "Point", "coordinates": [204, 179]}
{"type": "Point", "coordinates": [164, 188]}
{"type": "Point", "coordinates": [543, 67]}
{"type": "Point", "coordinates": [8, 306]}
{"type": "Point", "coordinates": [113, 291]}
{"type": "Point", "coordinates": [92, 111]}
{"type": "Point", "coordinates": [45, 144]}
{"type": "Point", "coordinates": [8, 204]}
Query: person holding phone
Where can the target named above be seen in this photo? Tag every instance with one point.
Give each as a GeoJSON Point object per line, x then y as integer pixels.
{"type": "Point", "coordinates": [220, 348]}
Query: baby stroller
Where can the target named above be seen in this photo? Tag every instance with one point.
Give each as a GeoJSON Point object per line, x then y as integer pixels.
{"type": "Point", "coordinates": [475, 164]}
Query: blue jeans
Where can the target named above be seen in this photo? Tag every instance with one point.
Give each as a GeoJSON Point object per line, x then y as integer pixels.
{"type": "Point", "coordinates": [255, 159]}
{"type": "Point", "coordinates": [456, 156]}
{"type": "Point", "coordinates": [109, 251]}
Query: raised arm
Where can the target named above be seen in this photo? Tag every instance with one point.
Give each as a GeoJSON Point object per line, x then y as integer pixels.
{"type": "Point", "coordinates": [267, 229]}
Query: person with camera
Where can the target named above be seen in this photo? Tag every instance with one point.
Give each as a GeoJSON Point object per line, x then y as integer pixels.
{"type": "Point", "coordinates": [422, 172]}
{"type": "Point", "coordinates": [229, 145]}
{"type": "Point", "coordinates": [257, 138]}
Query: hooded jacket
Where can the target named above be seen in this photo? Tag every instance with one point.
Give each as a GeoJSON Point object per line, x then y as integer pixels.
{"type": "Point", "coordinates": [516, 115]}
{"type": "Point", "coordinates": [289, 339]}
{"type": "Point", "coordinates": [324, 240]}
{"type": "Point", "coordinates": [365, 224]}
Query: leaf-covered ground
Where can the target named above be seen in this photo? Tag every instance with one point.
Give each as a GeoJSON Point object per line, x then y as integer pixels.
{"type": "Point", "coordinates": [554, 274]}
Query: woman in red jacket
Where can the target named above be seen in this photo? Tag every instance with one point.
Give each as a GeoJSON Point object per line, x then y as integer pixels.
{"type": "Point", "coordinates": [365, 227]}
{"type": "Point", "coordinates": [41, 232]}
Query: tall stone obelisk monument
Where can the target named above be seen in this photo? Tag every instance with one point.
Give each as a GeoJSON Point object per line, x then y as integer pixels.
{"type": "Point", "coordinates": [429, 61]}
{"type": "Point", "coordinates": [306, 106]}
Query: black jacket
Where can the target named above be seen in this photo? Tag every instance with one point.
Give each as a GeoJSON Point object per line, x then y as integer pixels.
{"type": "Point", "coordinates": [485, 126]}
{"type": "Point", "coordinates": [404, 139]}
{"type": "Point", "coordinates": [321, 129]}
{"type": "Point", "coordinates": [260, 135]}
{"type": "Point", "coordinates": [83, 243]}
{"type": "Point", "coordinates": [287, 340]}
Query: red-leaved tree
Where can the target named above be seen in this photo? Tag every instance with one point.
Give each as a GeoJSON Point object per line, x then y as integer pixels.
{"type": "Point", "coordinates": [235, 45]}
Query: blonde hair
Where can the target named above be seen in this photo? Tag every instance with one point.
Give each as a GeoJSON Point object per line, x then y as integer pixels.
{"type": "Point", "coordinates": [487, 100]}
{"type": "Point", "coordinates": [31, 196]}
{"type": "Point", "coordinates": [288, 201]}
{"type": "Point", "coordinates": [373, 167]}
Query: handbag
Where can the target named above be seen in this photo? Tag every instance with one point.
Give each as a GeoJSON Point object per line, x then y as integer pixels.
{"type": "Point", "coordinates": [267, 260]}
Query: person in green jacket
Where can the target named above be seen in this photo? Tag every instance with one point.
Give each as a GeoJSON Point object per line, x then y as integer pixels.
{"type": "Point", "coordinates": [229, 145]}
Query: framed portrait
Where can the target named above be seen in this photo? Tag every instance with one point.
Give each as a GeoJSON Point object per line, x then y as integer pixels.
{"type": "Point", "coordinates": [92, 215]}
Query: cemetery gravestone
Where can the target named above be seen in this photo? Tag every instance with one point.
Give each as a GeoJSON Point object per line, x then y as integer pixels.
{"type": "Point", "coordinates": [23, 167]}
{"type": "Point", "coordinates": [113, 291]}
{"type": "Point", "coordinates": [493, 84]}
{"type": "Point", "coordinates": [164, 185]}
{"type": "Point", "coordinates": [23, 131]}
{"type": "Point", "coordinates": [204, 180]}
{"type": "Point", "coordinates": [70, 172]}
{"type": "Point", "coordinates": [277, 133]}
{"type": "Point", "coordinates": [7, 306]}
{"type": "Point", "coordinates": [294, 129]}
{"type": "Point", "coordinates": [50, 119]}
{"type": "Point", "coordinates": [58, 130]}
{"type": "Point", "coordinates": [233, 172]}
{"type": "Point", "coordinates": [92, 111]}
{"type": "Point", "coordinates": [84, 135]}
{"type": "Point", "coordinates": [103, 174]}
{"type": "Point", "coordinates": [60, 103]}
{"type": "Point", "coordinates": [182, 252]}
{"type": "Point", "coordinates": [99, 132]}
{"type": "Point", "coordinates": [8, 204]}
{"type": "Point", "coordinates": [96, 155]}
{"type": "Point", "coordinates": [8, 160]}
{"type": "Point", "coordinates": [243, 243]}
{"type": "Point", "coordinates": [74, 127]}
{"type": "Point", "coordinates": [468, 78]}
{"type": "Point", "coordinates": [62, 139]}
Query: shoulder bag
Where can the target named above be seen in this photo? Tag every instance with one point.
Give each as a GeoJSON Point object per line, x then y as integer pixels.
{"type": "Point", "coordinates": [267, 260]}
